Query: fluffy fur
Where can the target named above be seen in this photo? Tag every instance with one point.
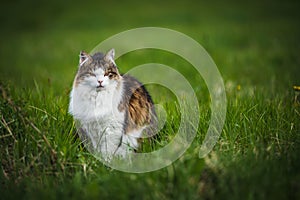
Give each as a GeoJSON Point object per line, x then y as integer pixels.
{"type": "Point", "coordinates": [113, 111]}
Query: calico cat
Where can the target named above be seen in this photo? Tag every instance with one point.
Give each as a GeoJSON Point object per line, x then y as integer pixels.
{"type": "Point", "coordinates": [113, 110]}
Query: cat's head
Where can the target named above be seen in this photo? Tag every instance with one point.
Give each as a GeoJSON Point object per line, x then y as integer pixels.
{"type": "Point", "coordinates": [98, 71]}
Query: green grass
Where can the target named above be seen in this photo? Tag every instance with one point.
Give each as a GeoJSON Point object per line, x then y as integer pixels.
{"type": "Point", "coordinates": [254, 44]}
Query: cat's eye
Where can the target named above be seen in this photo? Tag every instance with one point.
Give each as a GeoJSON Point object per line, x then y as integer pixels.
{"type": "Point", "coordinates": [92, 74]}
{"type": "Point", "coordinates": [111, 74]}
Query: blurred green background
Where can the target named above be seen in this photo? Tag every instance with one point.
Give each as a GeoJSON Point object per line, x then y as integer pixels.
{"type": "Point", "coordinates": [255, 42]}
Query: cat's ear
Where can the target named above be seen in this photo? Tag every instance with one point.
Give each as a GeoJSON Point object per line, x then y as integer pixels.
{"type": "Point", "coordinates": [110, 55]}
{"type": "Point", "coordinates": [83, 58]}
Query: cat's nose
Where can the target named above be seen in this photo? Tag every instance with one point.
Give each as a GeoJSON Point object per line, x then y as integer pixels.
{"type": "Point", "coordinates": [100, 82]}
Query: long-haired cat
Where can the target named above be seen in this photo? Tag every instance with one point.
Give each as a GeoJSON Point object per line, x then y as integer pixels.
{"type": "Point", "coordinates": [113, 110]}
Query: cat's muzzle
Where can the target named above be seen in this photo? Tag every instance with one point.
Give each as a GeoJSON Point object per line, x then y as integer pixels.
{"type": "Point", "coordinates": [99, 88]}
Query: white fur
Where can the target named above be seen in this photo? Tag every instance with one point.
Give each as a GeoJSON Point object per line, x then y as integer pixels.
{"type": "Point", "coordinates": [97, 112]}
{"type": "Point", "coordinates": [131, 138]}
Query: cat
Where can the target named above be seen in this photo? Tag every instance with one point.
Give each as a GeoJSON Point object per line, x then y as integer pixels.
{"type": "Point", "coordinates": [113, 111]}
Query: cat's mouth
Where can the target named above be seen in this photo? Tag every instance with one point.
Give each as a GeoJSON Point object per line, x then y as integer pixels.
{"type": "Point", "coordinates": [99, 87]}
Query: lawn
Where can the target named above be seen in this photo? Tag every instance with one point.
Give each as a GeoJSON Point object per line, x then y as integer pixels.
{"type": "Point", "coordinates": [255, 45]}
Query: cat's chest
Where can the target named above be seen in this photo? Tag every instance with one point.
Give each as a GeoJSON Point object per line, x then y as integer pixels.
{"type": "Point", "coordinates": [106, 103]}
{"type": "Point", "coordinates": [101, 105]}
